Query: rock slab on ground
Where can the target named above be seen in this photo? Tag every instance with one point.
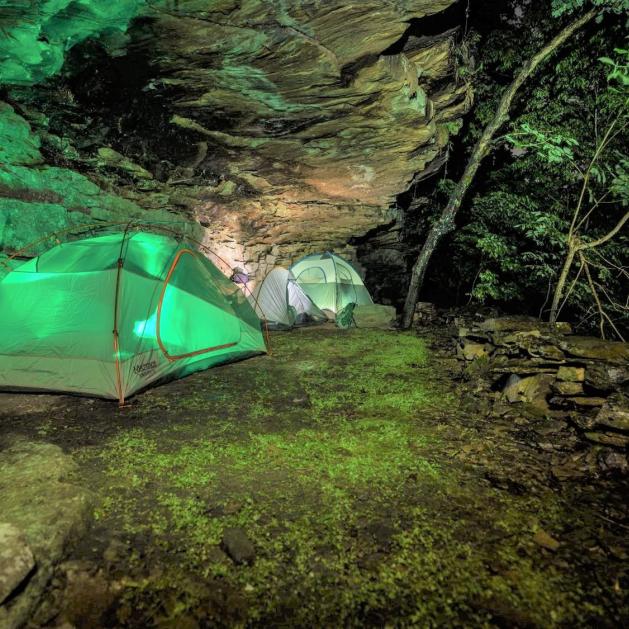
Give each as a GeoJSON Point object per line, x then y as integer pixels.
{"type": "Point", "coordinates": [374, 316]}
{"type": "Point", "coordinates": [567, 388]}
{"type": "Point", "coordinates": [596, 349]}
{"type": "Point", "coordinates": [238, 546]}
{"type": "Point", "coordinates": [523, 324]}
{"type": "Point", "coordinates": [614, 413]}
{"type": "Point", "coordinates": [571, 374]}
{"type": "Point", "coordinates": [469, 350]}
{"type": "Point", "coordinates": [533, 390]}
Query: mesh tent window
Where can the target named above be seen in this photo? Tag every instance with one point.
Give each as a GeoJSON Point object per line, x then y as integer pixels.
{"type": "Point", "coordinates": [342, 285]}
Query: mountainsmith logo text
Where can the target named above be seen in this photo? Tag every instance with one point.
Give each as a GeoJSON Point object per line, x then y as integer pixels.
{"type": "Point", "coordinates": [145, 368]}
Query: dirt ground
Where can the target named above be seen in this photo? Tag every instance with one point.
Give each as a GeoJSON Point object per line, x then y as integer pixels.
{"type": "Point", "coordinates": [344, 480]}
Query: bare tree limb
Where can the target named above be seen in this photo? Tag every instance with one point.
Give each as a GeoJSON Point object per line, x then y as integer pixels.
{"type": "Point", "coordinates": [602, 314]}
{"type": "Point", "coordinates": [569, 291]}
{"type": "Point", "coordinates": [595, 295]}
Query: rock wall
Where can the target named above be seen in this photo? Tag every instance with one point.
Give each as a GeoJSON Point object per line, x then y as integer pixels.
{"type": "Point", "coordinates": [544, 370]}
{"type": "Point", "coordinates": [288, 127]}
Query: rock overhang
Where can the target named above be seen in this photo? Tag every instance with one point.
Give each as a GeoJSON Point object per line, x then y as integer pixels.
{"type": "Point", "coordinates": [299, 122]}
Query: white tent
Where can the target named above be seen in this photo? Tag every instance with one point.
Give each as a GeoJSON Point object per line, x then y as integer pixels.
{"type": "Point", "coordinates": [282, 303]}
{"type": "Point", "coordinates": [330, 282]}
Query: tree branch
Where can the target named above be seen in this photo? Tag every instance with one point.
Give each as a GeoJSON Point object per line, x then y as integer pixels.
{"type": "Point", "coordinates": [603, 239]}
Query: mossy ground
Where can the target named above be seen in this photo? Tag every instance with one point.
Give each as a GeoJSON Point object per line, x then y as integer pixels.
{"type": "Point", "coordinates": [338, 456]}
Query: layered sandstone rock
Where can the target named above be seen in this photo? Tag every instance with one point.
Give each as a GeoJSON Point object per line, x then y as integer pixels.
{"type": "Point", "coordinates": [311, 114]}
{"type": "Point", "coordinates": [286, 127]}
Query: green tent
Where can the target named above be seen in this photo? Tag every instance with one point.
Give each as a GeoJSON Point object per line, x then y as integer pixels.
{"type": "Point", "coordinates": [108, 315]}
{"type": "Point", "coordinates": [330, 281]}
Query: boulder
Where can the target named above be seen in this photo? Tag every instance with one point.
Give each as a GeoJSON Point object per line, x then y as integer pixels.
{"type": "Point", "coordinates": [374, 316]}
{"type": "Point", "coordinates": [16, 559]}
{"type": "Point", "coordinates": [470, 350]}
{"type": "Point", "coordinates": [522, 366]}
{"type": "Point", "coordinates": [531, 342]}
{"type": "Point", "coordinates": [516, 338]}
{"type": "Point", "coordinates": [608, 438]}
{"type": "Point", "coordinates": [545, 350]}
{"type": "Point", "coordinates": [586, 402]}
{"type": "Point", "coordinates": [605, 377]}
{"type": "Point", "coordinates": [36, 499]}
{"type": "Point", "coordinates": [580, 404]}
{"type": "Point", "coordinates": [613, 461]}
{"type": "Point", "coordinates": [614, 414]}
{"type": "Point", "coordinates": [567, 388]}
{"type": "Point", "coordinates": [523, 324]}
{"type": "Point", "coordinates": [510, 324]}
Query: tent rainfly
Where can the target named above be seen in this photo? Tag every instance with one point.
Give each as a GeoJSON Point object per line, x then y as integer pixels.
{"type": "Point", "coordinates": [282, 303]}
{"type": "Point", "coordinates": [330, 281]}
{"type": "Point", "coordinates": [108, 315]}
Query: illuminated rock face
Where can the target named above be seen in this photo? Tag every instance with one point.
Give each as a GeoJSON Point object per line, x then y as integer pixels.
{"type": "Point", "coordinates": [299, 122]}
{"type": "Point", "coordinates": [315, 121]}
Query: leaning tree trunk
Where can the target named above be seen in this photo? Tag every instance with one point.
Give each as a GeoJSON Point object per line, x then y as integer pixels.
{"type": "Point", "coordinates": [445, 223]}
{"type": "Point", "coordinates": [561, 283]}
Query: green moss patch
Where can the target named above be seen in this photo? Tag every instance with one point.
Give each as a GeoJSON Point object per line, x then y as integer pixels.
{"type": "Point", "coordinates": [333, 458]}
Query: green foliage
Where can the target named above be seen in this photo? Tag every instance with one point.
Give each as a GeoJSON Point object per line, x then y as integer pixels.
{"type": "Point", "coordinates": [619, 67]}
{"type": "Point", "coordinates": [619, 186]}
{"type": "Point", "coordinates": [563, 7]}
{"type": "Point", "coordinates": [554, 148]}
{"type": "Point", "coordinates": [512, 245]}
{"type": "Point", "coordinates": [516, 244]}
